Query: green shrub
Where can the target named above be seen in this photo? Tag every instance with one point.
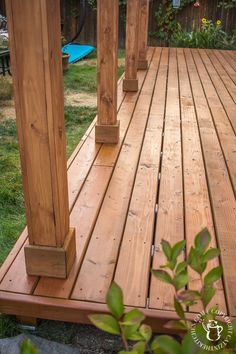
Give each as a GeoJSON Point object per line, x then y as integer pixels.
{"type": "Point", "coordinates": [210, 35]}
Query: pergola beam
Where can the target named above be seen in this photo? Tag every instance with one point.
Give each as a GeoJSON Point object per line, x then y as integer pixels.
{"type": "Point", "coordinates": [34, 29]}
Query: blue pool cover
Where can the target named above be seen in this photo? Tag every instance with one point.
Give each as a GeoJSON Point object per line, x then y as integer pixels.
{"type": "Point", "coordinates": [77, 51]}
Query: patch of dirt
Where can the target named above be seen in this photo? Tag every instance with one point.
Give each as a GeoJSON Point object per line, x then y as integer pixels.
{"type": "Point", "coordinates": [93, 62]}
{"type": "Point", "coordinates": [81, 99]}
{"type": "Point", "coordinates": [7, 110]}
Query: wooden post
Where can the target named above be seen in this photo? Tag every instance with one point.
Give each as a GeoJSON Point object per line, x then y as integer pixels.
{"type": "Point", "coordinates": [130, 82]}
{"type": "Point", "coordinates": [107, 128]}
{"type": "Point", "coordinates": [143, 34]}
{"type": "Point", "coordinates": [34, 28]}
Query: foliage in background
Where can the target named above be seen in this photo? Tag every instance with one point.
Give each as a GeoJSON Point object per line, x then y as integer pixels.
{"type": "Point", "coordinates": [229, 4]}
{"type": "Point", "coordinates": [130, 326]}
{"type": "Point", "coordinates": [165, 20]}
{"type": "Point", "coordinates": [210, 35]}
{"type": "Point", "coordinates": [93, 3]}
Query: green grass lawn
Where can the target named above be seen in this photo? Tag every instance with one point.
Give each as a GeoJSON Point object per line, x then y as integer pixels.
{"type": "Point", "coordinates": [80, 77]}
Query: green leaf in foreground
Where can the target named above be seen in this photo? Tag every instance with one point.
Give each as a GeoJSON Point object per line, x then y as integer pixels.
{"type": "Point", "coordinates": [177, 249]}
{"type": "Point", "coordinates": [214, 275]}
{"type": "Point", "coordinates": [114, 300]}
{"type": "Point", "coordinates": [146, 332]}
{"type": "Point", "coordinates": [133, 317]}
{"type": "Point", "coordinates": [106, 323]}
{"type": "Point", "coordinates": [188, 345]}
{"type": "Point", "coordinates": [167, 344]}
{"type": "Point", "coordinates": [179, 309]}
{"type": "Point", "coordinates": [180, 267]}
{"type": "Point", "coordinates": [163, 276]}
{"type": "Point", "coordinates": [181, 280]}
{"type": "Point", "coordinates": [202, 240]}
{"type": "Point", "coordinates": [166, 249]}
{"type": "Point", "coordinates": [207, 295]}
{"type": "Point", "coordinates": [139, 347]}
{"type": "Point", "coordinates": [27, 347]}
{"type": "Point", "coordinates": [210, 254]}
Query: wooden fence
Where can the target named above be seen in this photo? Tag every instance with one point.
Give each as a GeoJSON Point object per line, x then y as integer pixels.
{"type": "Point", "coordinates": [189, 16]}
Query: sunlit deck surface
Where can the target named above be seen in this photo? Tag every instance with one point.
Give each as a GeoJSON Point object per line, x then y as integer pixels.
{"type": "Point", "coordinates": [172, 174]}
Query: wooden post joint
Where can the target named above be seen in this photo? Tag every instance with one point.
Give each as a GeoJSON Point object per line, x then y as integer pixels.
{"type": "Point", "coordinates": [53, 262]}
{"type": "Point", "coordinates": [107, 133]}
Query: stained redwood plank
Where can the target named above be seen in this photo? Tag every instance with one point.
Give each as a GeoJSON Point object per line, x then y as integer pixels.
{"type": "Point", "coordinates": [224, 129]}
{"type": "Point", "coordinates": [225, 77]}
{"type": "Point", "coordinates": [98, 266]}
{"type": "Point", "coordinates": [226, 100]}
{"type": "Point", "coordinates": [231, 72]}
{"type": "Point", "coordinates": [133, 267]}
{"type": "Point", "coordinates": [220, 188]}
{"type": "Point", "coordinates": [230, 58]}
{"type": "Point", "coordinates": [170, 216]}
{"type": "Point", "coordinates": [198, 214]}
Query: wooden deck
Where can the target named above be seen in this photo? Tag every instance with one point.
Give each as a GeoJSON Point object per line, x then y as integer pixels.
{"type": "Point", "coordinates": [173, 173]}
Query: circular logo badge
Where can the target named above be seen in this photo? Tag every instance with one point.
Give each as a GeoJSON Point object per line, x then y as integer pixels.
{"type": "Point", "coordinates": [212, 330]}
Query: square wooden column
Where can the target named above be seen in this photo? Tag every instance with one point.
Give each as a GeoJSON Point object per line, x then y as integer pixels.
{"type": "Point", "coordinates": [34, 28]}
{"type": "Point", "coordinates": [130, 82]}
{"type": "Point", "coordinates": [143, 34]}
{"type": "Point", "coordinates": [107, 127]}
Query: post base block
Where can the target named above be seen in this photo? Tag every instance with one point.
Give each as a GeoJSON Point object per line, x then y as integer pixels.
{"type": "Point", "coordinates": [108, 134]}
{"type": "Point", "coordinates": [130, 85]}
{"type": "Point", "coordinates": [52, 262]}
{"type": "Point", "coordinates": [142, 64]}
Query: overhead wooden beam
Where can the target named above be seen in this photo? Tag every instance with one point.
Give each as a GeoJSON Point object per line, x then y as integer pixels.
{"type": "Point", "coordinates": [107, 127]}
{"type": "Point", "coordinates": [34, 29]}
{"type": "Point", "coordinates": [143, 34]}
{"type": "Point", "coordinates": [130, 82]}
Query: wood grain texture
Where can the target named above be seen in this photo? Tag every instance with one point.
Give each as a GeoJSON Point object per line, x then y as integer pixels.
{"type": "Point", "coordinates": [225, 77]}
{"type": "Point", "coordinates": [98, 267]}
{"type": "Point", "coordinates": [37, 74]}
{"type": "Point", "coordinates": [131, 45]}
{"type": "Point", "coordinates": [133, 266]}
{"type": "Point", "coordinates": [198, 213]}
{"type": "Point", "coordinates": [107, 129]}
{"type": "Point", "coordinates": [170, 216]}
{"type": "Point", "coordinates": [220, 188]}
{"type": "Point", "coordinates": [143, 34]}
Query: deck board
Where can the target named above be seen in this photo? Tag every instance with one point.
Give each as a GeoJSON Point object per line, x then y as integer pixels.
{"type": "Point", "coordinates": [172, 173]}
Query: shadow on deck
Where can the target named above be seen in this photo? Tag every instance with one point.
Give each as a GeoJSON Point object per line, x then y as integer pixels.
{"type": "Point", "coordinates": [172, 173]}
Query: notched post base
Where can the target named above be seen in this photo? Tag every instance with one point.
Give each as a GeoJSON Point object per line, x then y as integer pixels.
{"type": "Point", "coordinates": [52, 262]}
{"type": "Point", "coordinates": [130, 85]}
{"type": "Point", "coordinates": [108, 134]}
{"type": "Point", "coordinates": [142, 64]}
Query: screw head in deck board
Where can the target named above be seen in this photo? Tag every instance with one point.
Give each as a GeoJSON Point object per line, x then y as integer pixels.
{"type": "Point", "coordinates": [142, 64]}
{"type": "Point", "coordinates": [51, 262]}
{"type": "Point", "coordinates": [108, 134]}
{"type": "Point", "coordinates": [130, 85]}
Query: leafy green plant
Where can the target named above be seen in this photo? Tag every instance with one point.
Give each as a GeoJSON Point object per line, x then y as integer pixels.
{"type": "Point", "coordinates": [165, 20]}
{"type": "Point", "coordinates": [129, 325]}
{"type": "Point", "coordinates": [27, 347]}
{"type": "Point", "coordinates": [210, 35]}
